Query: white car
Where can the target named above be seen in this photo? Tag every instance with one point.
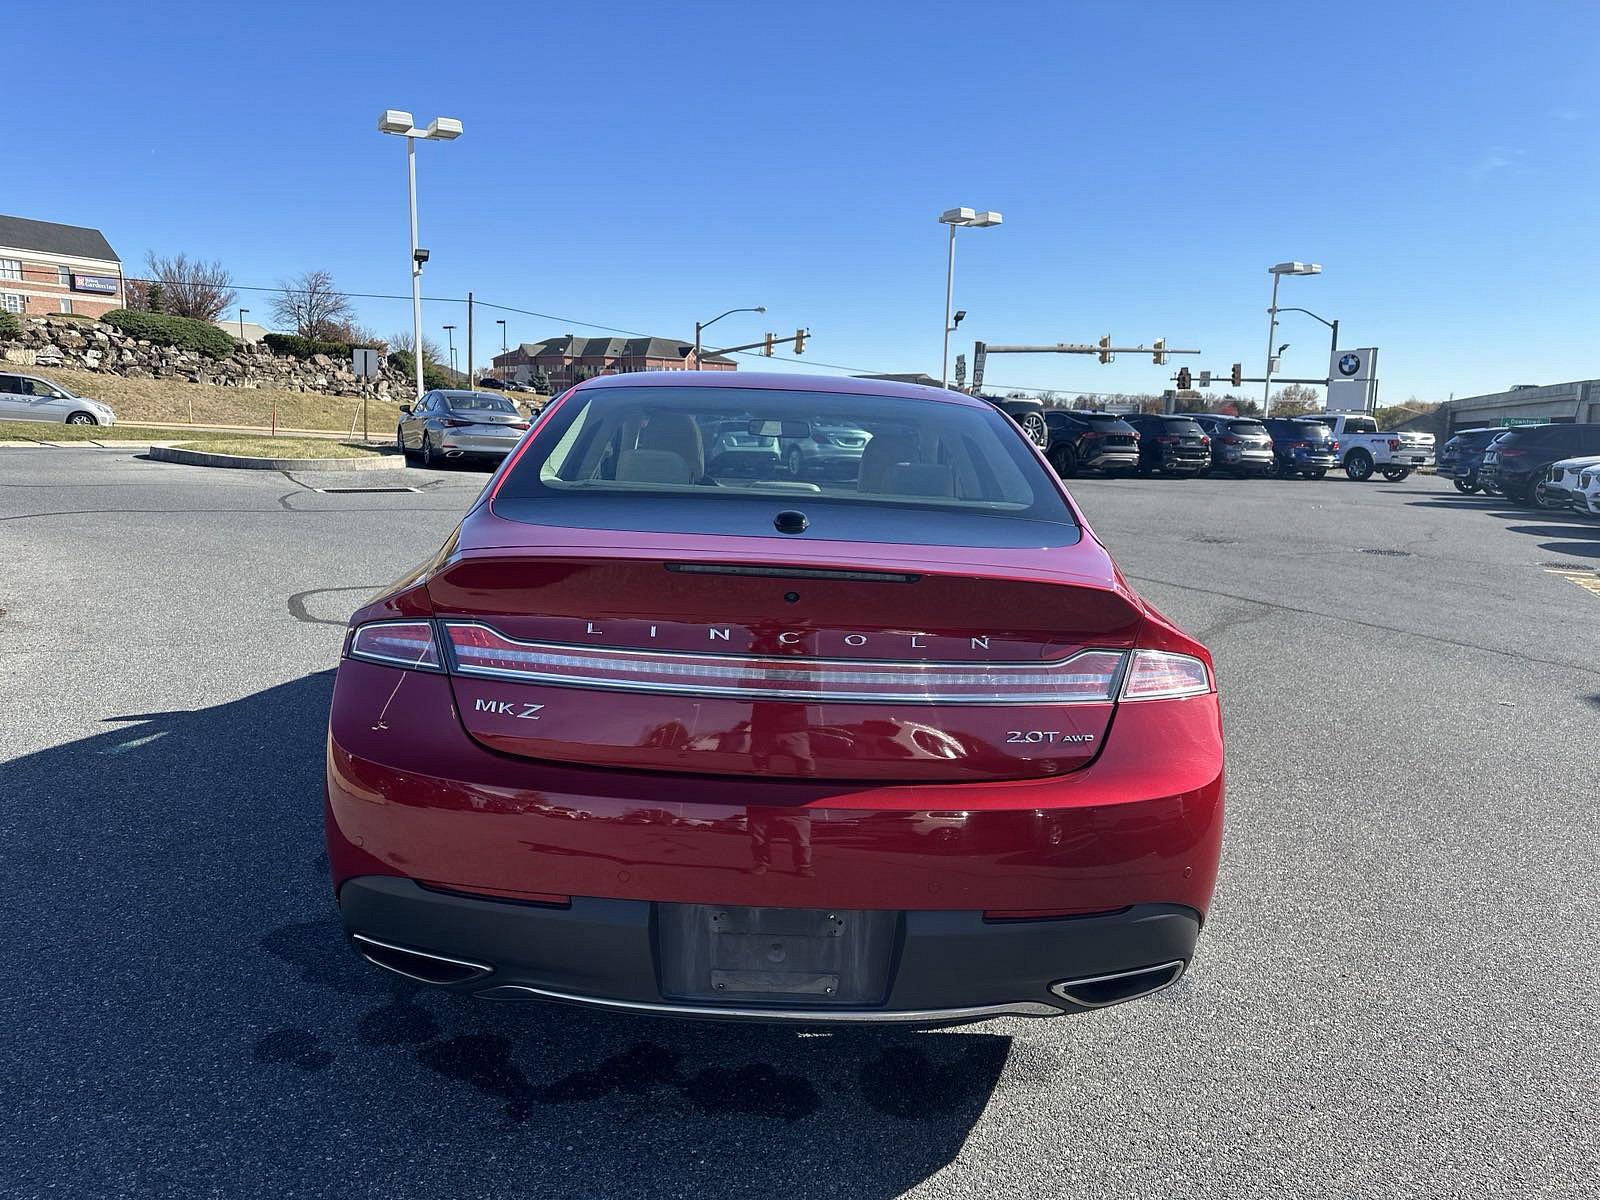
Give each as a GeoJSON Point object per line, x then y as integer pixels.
{"type": "Point", "coordinates": [29, 398]}
{"type": "Point", "coordinates": [1561, 484]}
{"type": "Point", "coordinates": [1588, 494]}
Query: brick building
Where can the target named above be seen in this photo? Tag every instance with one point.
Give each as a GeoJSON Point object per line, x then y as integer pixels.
{"type": "Point", "coordinates": [567, 359]}
{"type": "Point", "coordinates": [50, 268]}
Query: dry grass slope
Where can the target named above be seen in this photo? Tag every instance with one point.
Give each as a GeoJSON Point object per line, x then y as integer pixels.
{"type": "Point", "coordinates": [173, 401]}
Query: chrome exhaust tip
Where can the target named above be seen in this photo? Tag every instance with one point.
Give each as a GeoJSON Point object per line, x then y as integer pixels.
{"type": "Point", "coordinates": [1101, 991]}
{"type": "Point", "coordinates": [420, 965]}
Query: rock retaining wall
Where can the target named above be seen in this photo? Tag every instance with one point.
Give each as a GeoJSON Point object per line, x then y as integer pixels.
{"type": "Point", "coordinates": [85, 345]}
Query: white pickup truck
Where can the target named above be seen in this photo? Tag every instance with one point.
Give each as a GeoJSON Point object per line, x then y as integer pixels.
{"type": "Point", "coordinates": [1364, 448]}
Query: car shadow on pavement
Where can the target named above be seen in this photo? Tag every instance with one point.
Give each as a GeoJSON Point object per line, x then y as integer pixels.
{"type": "Point", "coordinates": [193, 1016]}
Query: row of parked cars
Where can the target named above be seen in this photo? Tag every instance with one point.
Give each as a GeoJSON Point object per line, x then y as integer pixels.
{"type": "Point", "coordinates": [1194, 443]}
{"type": "Point", "coordinates": [1551, 466]}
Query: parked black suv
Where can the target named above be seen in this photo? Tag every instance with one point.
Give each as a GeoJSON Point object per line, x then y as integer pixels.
{"type": "Point", "coordinates": [1172, 443]}
{"type": "Point", "coordinates": [1238, 444]}
{"type": "Point", "coordinates": [1302, 446]}
{"type": "Point", "coordinates": [1090, 441]}
{"type": "Point", "coordinates": [1460, 456]}
{"type": "Point", "coordinates": [1517, 461]}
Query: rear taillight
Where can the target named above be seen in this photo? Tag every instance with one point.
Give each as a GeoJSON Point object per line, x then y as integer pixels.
{"type": "Point", "coordinates": [1394, 443]}
{"type": "Point", "coordinates": [1205, 441]}
{"type": "Point", "coordinates": [1511, 452]}
{"type": "Point", "coordinates": [454, 422]}
{"type": "Point", "coordinates": [1162, 675]}
{"type": "Point", "coordinates": [397, 643]}
{"type": "Point", "coordinates": [1333, 446]}
{"type": "Point", "coordinates": [519, 424]}
{"type": "Point", "coordinates": [1087, 677]}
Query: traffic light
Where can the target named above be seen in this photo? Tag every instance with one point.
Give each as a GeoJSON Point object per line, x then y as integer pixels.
{"type": "Point", "coordinates": [1159, 352]}
{"type": "Point", "coordinates": [800, 340]}
{"type": "Point", "coordinates": [1238, 376]}
{"type": "Point", "coordinates": [767, 350]}
{"type": "Point", "coordinates": [1105, 349]}
{"type": "Point", "coordinates": [1184, 379]}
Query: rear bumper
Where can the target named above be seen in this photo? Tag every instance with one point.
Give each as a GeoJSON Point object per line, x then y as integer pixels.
{"type": "Point", "coordinates": [1231, 459]}
{"type": "Point", "coordinates": [1308, 462]}
{"type": "Point", "coordinates": [1112, 460]}
{"type": "Point", "coordinates": [495, 447]}
{"type": "Point", "coordinates": [945, 966]}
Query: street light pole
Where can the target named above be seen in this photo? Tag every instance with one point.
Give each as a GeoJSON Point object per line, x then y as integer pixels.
{"type": "Point", "coordinates": [953, 217]}
{"type": "Point", "coordinates": [1278, 271]}
{"type": "Point", "coordinates": [416, 267]}
{"type": "Point", "coordinates": [450, 340]}
{"type": "Point", "coordinates": [442, 129]}
{"type": "Point", "coordinates": [702, 326]}
{"type": "Point", "coordinates": [1272, 333]}
{"type": "Point", "coordinates": [242, 312]}
{"type": "Point", "coordinates": [502, 325]}
{"type": "Point", "coordinates": [949, 304]}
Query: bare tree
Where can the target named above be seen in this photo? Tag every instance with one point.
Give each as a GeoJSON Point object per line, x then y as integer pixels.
{"type": "Point", "coordinates": [310, 304]}
{"type": "Point", "coordinates": [404, 341]}
{"type": "Point", "coordinates": [1295, 400]}
{"type": "Point", "coordinates": [191, 287]}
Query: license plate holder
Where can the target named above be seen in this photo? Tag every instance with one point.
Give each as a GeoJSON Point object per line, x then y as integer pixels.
{"type": "Point", "coordinates": [718, 953]}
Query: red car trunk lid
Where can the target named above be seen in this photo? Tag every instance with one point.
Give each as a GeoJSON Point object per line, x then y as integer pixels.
{"type": "Point", "coordinates": [780, 667]}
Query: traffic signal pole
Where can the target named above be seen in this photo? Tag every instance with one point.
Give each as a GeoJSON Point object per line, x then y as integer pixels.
{"type": "Point", "coordinates": [981, 350]}
{"type": "Point", "coordinates": [766, 344]}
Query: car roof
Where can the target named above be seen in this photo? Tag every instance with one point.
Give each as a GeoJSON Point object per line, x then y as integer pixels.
{"type": "Point", "coordinates": [773, 381]}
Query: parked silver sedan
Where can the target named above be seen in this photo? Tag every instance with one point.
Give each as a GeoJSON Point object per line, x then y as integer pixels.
{"type": "Point", "coordinates": [30, 398]}
{"type": "Point", "coordinates": [448, 424]}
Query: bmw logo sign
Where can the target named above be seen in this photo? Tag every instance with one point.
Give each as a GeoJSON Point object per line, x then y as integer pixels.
{"type": "Point", "coordinates": [1349, 364]}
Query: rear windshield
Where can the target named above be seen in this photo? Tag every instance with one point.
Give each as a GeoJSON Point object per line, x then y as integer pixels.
{"type": "Point", "coordinates": [726, 459]}
{"type": "Point", "coordinates": [1181, 426]}
{"type": "Point", "coordinates": [1248, 428]}
{"type": "Point", "coordinates": [478, 402]}
{"type": "Point", "coordinates": [1313, 430]}
{"type": "Point", "coordinates": [1360, 425]}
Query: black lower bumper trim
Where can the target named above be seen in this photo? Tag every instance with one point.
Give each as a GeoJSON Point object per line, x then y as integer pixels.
{"type": "Point", "coordinates": [945, 966]}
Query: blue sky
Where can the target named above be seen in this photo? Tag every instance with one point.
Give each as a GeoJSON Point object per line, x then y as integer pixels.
{"type": "Point", "coordinates": [644, 165]}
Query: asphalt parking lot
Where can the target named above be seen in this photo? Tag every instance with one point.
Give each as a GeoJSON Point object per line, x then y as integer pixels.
{"type": "Point", "coordinates": [1395, 994]}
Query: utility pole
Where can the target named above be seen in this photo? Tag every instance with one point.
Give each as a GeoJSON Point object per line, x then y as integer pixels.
{"type": "Point", "coordinates": [469, 339]}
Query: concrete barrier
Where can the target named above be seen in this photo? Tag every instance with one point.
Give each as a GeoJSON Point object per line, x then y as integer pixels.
{"type": "Point", "coordinates": [203, 458]}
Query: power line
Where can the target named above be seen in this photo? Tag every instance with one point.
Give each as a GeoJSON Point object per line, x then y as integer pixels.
{"type": "Point", "coordinates": [544, 316]}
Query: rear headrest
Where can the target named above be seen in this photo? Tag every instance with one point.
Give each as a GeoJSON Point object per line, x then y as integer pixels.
{"type": "Point", "coordinates": [920, 479]}
{"type": "Point", "coordinates": [677, 433]}
{"type": "Point", "coordinates": [883, 452]}
{"type": "Point", "coordinates": [652, 466]}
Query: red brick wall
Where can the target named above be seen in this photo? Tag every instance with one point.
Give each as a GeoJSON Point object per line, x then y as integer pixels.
{"type": "Point", "coordinates": [44, 277]}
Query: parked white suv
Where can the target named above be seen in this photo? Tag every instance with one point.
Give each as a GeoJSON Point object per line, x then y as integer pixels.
{"type": "Point", "coordinates": [1588, 494]}
{"type": "Point", "coordinates": [29, 398]}
{"type": "Point", "coordinates": [1562, 485]}
{"type": "Point", "coordinates": [1364, 448]}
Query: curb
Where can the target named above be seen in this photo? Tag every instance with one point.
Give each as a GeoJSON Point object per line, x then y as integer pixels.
{"type": "Point", "coordinates": [201, 458]}
{"type": "Point", "coordinates": [73, 445]}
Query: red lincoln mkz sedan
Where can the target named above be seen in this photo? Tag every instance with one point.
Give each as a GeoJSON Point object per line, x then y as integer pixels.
{"type": "Point", "coordinates": [669, 726]}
